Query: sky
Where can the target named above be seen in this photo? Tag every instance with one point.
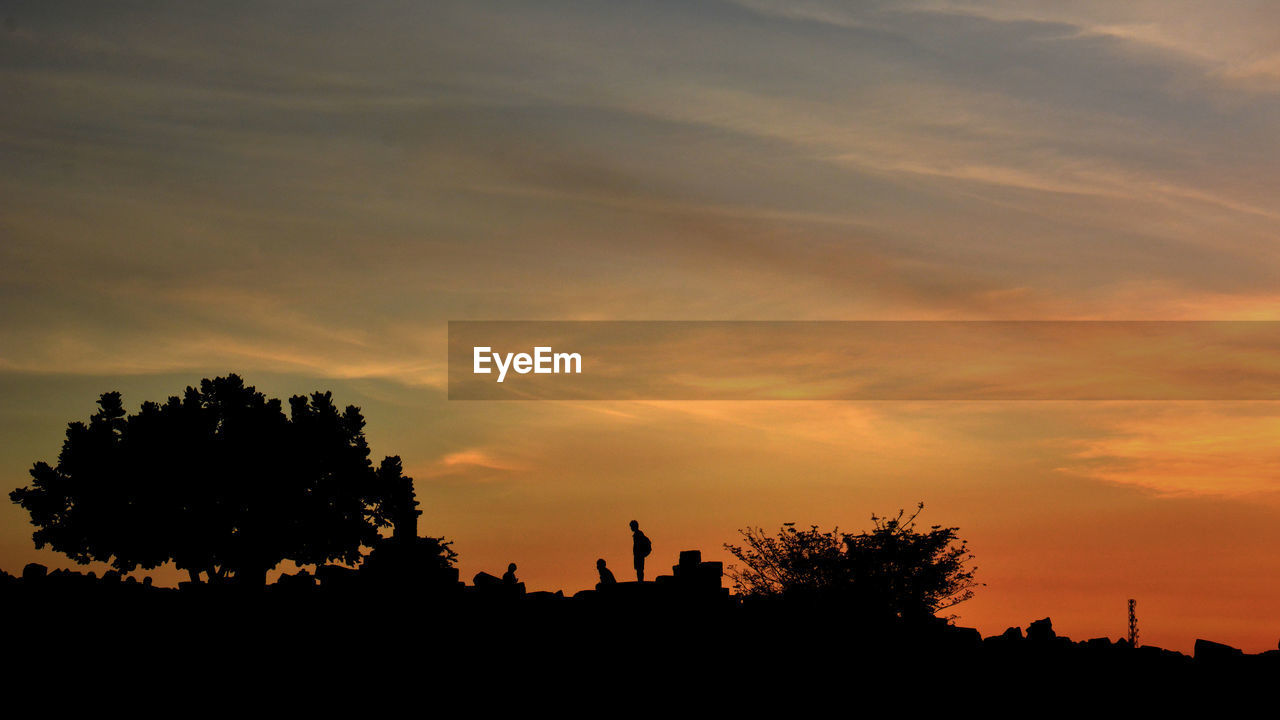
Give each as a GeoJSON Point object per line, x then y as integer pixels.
{"type": "Point", "coordinates": [306, 193]}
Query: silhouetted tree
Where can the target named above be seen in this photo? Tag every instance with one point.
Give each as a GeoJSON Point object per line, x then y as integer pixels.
{"type": "Point", "coordinates": [404, 559]}
{"type": "Point", "coordinates": [892, 569]}
{"type": "Point", "coordinates": [219, 481]}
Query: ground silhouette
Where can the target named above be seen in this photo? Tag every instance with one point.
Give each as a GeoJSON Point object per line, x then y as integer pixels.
{"type": "Point", "coordinates": [685, 624]}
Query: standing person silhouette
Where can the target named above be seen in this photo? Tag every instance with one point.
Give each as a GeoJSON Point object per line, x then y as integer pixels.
{"type": "Point", "coordinates": [640, 549]}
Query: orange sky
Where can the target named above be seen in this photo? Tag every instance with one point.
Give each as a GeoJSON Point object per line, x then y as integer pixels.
{"type": "Point", "coordinates": [306, 196]}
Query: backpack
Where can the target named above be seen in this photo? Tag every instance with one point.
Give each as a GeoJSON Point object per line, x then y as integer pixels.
{"type": "Point", "coordinates": [644, 546]}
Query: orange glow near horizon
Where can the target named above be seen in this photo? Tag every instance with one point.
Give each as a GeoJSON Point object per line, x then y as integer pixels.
{"type": "Point", "coordinates": [186, 193]}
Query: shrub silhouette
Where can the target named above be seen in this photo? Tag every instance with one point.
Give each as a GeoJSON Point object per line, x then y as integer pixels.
{"type": "Point", "coordinates": [891, 570]}
{"type": "Point", "coordinates": [218, 481]}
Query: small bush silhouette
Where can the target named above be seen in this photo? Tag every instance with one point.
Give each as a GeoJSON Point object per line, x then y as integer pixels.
{"type": "Point", "coordinates": [893, 569]}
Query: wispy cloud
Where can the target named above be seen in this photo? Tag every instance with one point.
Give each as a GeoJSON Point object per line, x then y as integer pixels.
{"type": "Point", "coordinates": [1217, 451]}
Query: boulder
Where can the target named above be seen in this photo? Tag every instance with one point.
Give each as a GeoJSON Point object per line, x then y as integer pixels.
{"type": "Point", "coordinates": [1207, 651]}
{"type": "Point", "coordinates": [1041, 631]}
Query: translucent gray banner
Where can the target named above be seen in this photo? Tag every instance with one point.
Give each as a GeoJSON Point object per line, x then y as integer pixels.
{"type": "Point", "coordinates": [864, 360]}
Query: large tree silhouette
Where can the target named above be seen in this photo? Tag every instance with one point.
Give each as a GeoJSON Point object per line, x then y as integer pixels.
{"type": "Point", "coordinates": [218, 481]}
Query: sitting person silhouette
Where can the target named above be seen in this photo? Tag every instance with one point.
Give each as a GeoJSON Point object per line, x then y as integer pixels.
{"type": "Point", "coordinates": [606, 575]}
{"type": "Point", "coordinates": [640, 549]}
{"type": "Point", "coordinates": [509, 577]}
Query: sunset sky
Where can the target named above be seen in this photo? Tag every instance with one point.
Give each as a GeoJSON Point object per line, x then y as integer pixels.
{"type": "Point", "coordinates": [305, 193]}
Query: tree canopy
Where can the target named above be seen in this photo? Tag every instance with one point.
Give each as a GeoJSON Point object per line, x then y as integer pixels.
{"type": "Point", "coordinates": [891, 569]}
{"type": "Point", "coordinates": [219, 481]}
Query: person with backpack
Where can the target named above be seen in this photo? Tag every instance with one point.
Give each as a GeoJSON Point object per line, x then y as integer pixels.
{"type": "Point", "coordinates": [640, 549]}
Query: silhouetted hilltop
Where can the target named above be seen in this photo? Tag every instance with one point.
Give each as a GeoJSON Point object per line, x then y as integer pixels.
{"type": "Point", "coordinates": [686, 616]}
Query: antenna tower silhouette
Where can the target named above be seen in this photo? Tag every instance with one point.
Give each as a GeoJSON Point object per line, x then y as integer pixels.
{"type": "Point", "coordinates": [1133, 623]}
